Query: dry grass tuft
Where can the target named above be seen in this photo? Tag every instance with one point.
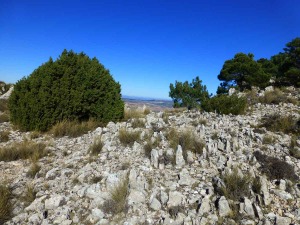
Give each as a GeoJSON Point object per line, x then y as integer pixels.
{"type": "Point", "coordinates": [34, 169]}
{"type": "Point", "coordinates": [29, 195]}
{"type": "Point", "coordinates": [74, 128]}
{"type": "Point", "coordinates": [118, 199]}
{"type": "Point", "coordinates": [279, 123]}
{"type": "Point", "coordinates": [4, 136]}
{"type": "Point", "coordinates": [4, 117]}
{"type": "Point", "coordinates": [3, 105]}
{"type": "Point", "coordinates": [5, 203]}
{"type": "Point", "coordinates": [186, 139]}
{"type": "Point", "coordinates": [128, 137]}
{"type": "Point", "coordinates": [96, 147]}
{"type": "Point", "coordinates": [22, 150]}
{"type": "Point", "coordinates": [138, 123]}
{"type": "Point", "coordinates": [135, 113]}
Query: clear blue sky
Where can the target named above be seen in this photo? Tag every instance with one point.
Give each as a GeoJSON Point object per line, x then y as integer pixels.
{"type": "Point", "coordinates": [146, 44]}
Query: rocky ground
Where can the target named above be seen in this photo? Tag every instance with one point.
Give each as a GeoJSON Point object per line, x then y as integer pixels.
{"type": "Point", "coordinates": [169, 186]}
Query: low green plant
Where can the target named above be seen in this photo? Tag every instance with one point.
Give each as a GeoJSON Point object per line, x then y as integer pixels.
{"type": "Point", "coordinates": [225, 104]}
{"type": "Point", "coordinates": [6, 206]}
{"type": "Point", "coordinates": [117, 202]}
{"type": "Point", "coordinates": [22, 150]}
{"type": "Point", "coordinates": [74, 128]}
{"type": "Point", "coordinates": [4, 136]}
{"type": "Point", "coordinates": [96, 147]}
{"type": "Point", "coordinates": [128, 137]}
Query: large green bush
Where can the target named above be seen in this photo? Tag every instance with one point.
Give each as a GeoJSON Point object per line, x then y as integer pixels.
{"type": "Point", "coordinates": [74, 87]}
{"type": "Point", "coordinates": [225, 104]}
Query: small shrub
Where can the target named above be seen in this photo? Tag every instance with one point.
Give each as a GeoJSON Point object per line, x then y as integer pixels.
{"type": "Point", "coordinates": [23, 150]}
{"type": "Point", "coordinates": [4, 117]}
{"type": "Point", "coordinates": [72, 87]}
{"type": "Point", "coordinates": [128, 137]}
{"type": "Point", "coordinates": [5, 203]}
{"type": "Point", "coordinates": [4, 136]}
{"type": "Point", "coordinates": [273, 97]}
{"type": "Point", "coordinates": [118, 199]}
{"type": "Point", "coordinates": [138, 123]}
{"type": "Point", "coordinates": [74, 128]}
{"type": "Point", "coordinates": [275, 168]}
{"type": "Point", "coordinates": [236, 186]}
{"type": "Point", "coordinates": [225, 104]}
{"type": "Point", "coordinates": [96, 147]}
{"type": "Point", "coordinates": [278, 123]}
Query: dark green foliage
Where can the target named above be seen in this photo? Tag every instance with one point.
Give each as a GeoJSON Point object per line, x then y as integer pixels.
{"type": "Point", "coordinates": [275, 168]}
{"type": "Point", "coordinates": [242, 71]}
{"type": "Point", "coordinates": [74, 87]}
{"type": "Point", "coordinates": [225, 104]}
{"type": "Point", "coordinates": [187, 94]}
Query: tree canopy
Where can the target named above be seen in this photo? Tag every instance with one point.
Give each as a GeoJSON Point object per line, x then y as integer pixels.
{"type": "Point", "coordinates": [243, 72]}
{"type": "Point", "coordinates": [74, 87]}
{"type": "Point", "coordinates": [187, 94]}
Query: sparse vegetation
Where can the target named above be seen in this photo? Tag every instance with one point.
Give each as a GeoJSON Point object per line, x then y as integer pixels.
{"type": "Point", "coordinates": [96, 147]}
{"type": "Point", "coordinates": [135, 113]}
{"type": "Point", "coordinates": [138, 123]}
{"type": "Point", "coordinates": [256, 185]}
{"type": "Point", "coordinates": [150, 144]}
{"type": "Point", "coordinates": [29, 194]}
{"type": "Point", "coordinates": [275, 97]}
{"type": "Point", "coordinates": [128, 137]}
{"type": "Point", "coordinates": [5, 203]}
{"type": "Point", "coordinates": [118, 198]}
{"type": "Point", "coordinates": [73, 128]}
{"type": "Point", "coordinates": [268, 139]}
{"type": "Point", "coordinates": [34, 169]}
{"type": "Point", "coordinates": [236, 186]}
{"type": "Point", "coordinates": [278, 123]}
{"type": "Point", "coordinates": [3, 105]}
{"type": "Point", "coordinates": [187, 140]}
{"type": "Point", "coordinates": [22, 150]}
{"type": "Point", "coordinates": [4, 136]}
{"type": "Point", "coordinates": [4, 117]}
{"type": "Point", "coordinates": [275, 168]}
